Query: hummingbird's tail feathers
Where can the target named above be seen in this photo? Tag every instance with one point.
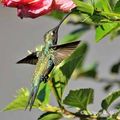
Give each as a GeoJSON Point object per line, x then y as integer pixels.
{"type": "Point", "coordinates": [32, 98]}
{"type": "Point", "coordinates": [30, 59]}
{"type": "Point", "coordinates": [63, 51]}
{"type": "Point", "coordinates": [29, 100]}
{"type": "Point", "coordinates": [33, 93]}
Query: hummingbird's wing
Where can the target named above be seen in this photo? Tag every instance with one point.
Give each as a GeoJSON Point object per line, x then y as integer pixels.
{"type": "Point", "coordinates": [30, 59]}
{"type": "Point", "coordinates": [63, 51]}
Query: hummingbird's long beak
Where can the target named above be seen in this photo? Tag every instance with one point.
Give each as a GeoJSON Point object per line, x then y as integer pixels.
{"type": "Point", "coordinates": [57, 27]}
{"type": "Point", "coordinates": [55, 30]}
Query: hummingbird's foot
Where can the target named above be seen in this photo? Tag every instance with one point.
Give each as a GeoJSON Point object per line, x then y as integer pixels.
{"type": "Point", "coordinates": [45, 78]}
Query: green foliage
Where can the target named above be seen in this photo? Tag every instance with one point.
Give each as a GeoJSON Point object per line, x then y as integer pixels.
{"type": "Point", "coordinates": [90, 71]}
{"type": "Point", "coordinates": [84, 7]}
{"type": "Point", "coordinates": [115, 68]}
{"type": "Point", "coordinates": [117, 7]}
{"type": "Point", "coordinates": [50, 116]}
{"type": "Point", "coordinates": [110, 99]}
{"type": "Point", "coordinates": [104, 30]}
{"type": "Point", "coordinates": [103, 4]}
{"type": "Point", "coordinates": [83, 50]}
{"type": "Point", "coordinates": [20, 101]}
{"type": "Point", "coordinates": [80, 98]}
{"type": "Point", "coordinates": [44, 93]}
{"type": "Point", "coordinates": [22, 98]}
{"type": "Point", "coordinates": [106, 5]}
{"type": "Point", "coordinates": [102, 14]}
{"type": "Point", "coordinates": [63, 72]}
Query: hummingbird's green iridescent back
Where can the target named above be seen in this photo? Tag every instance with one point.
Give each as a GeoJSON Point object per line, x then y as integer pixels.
{"type": "Point", "coordinates": [42, 66]}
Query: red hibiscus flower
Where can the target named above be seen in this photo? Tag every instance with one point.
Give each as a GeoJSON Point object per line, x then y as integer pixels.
{"type": "Point", "coordinates": [36, 8]}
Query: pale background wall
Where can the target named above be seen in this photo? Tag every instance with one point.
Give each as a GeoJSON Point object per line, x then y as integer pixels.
{"type": "Point", "coordinates": [17, 36]}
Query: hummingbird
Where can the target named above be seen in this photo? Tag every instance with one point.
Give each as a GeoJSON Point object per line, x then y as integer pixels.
{"type": "Point", "coordinates": [46, 59]}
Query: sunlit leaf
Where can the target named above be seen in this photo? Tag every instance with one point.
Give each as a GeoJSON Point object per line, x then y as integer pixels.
{"type": "Point", "coordinates": [63, 72]}
{"type": "Point", "coordinates": [117, 7]}
{"type": "Point", "coordinates": [80, 98]}
{"type": "Point", "coordinates": [84, 7]}
{"type": "Point", "coordinates": [20, 101]}
{"type": "Point", "coordinates": [90, 71]}
{"type": "Point", "coordinates": [44, 93]}
{"type": "Point", "coordinates": [106, 6]}
{"type": "Point", "coordinates": [103, 5]}
{"type": "Point", "coordinates": [104, 30]}
{"type": "Point", "coordinates": [84, 50]}
{"type": "Point", "coordinates": [50, 116]}
{"type": "Point", "coordinates": [110, 99]}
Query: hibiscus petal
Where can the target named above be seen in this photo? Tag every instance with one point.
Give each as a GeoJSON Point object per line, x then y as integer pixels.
{"type": "Point", "coordinates": [11, 3]}
{"type": "Point", "coordinates": [64, 5]}
{"type": "Point", "coordinates": [35, 9]}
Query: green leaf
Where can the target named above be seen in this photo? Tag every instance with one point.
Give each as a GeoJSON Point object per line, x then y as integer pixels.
{"type": "Point", "coordinates": [90, 71]}
{"type": "Point", "coordinates": [79, 67]}
{"type": "Point", "coordinates": [63, 72]}
{"type": "Point", "coordinates": [117, 106]}
{"type": "Point", "coordinates": [98, 4]}
{"type": "Point", "coordinates": [115, 33]}
{"type": "Point", "coordinates": [108, 87]}
{"type": "Point", "coordinates": [84, 7]}
{"type": "Point", "coordinates": [44, 93]}
{"type": "Point", "coordinates": [103, 5]}
{"type": "Point", "coordinates": [74, 35]}
{"type": "Point", "coordinates": [104, 30]}
{"type": "Point", "coordinates": [21, 100]}
{"type": "Point", "coordinates": [84, 49]}
{"type": "Point", "coordinates": [112, 3]}
{"type": "Point", "coordinates": [50, 116]}
{"type": "Point", "coordinates": [115, 115]}
{"type": "Point", "coordinates": [115, 68]}
{"type": "Point", "coordinates": [117, 7]}
{"type": "Point", "coordinates": [110, 99]}
{"type": "Point", "coordinates": [106, 5]}
{"type": "Point", "coordinates": [80, 98]}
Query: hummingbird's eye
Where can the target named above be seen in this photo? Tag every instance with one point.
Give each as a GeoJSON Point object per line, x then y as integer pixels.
{"type": "Point", "coordinates": [52, 33]}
